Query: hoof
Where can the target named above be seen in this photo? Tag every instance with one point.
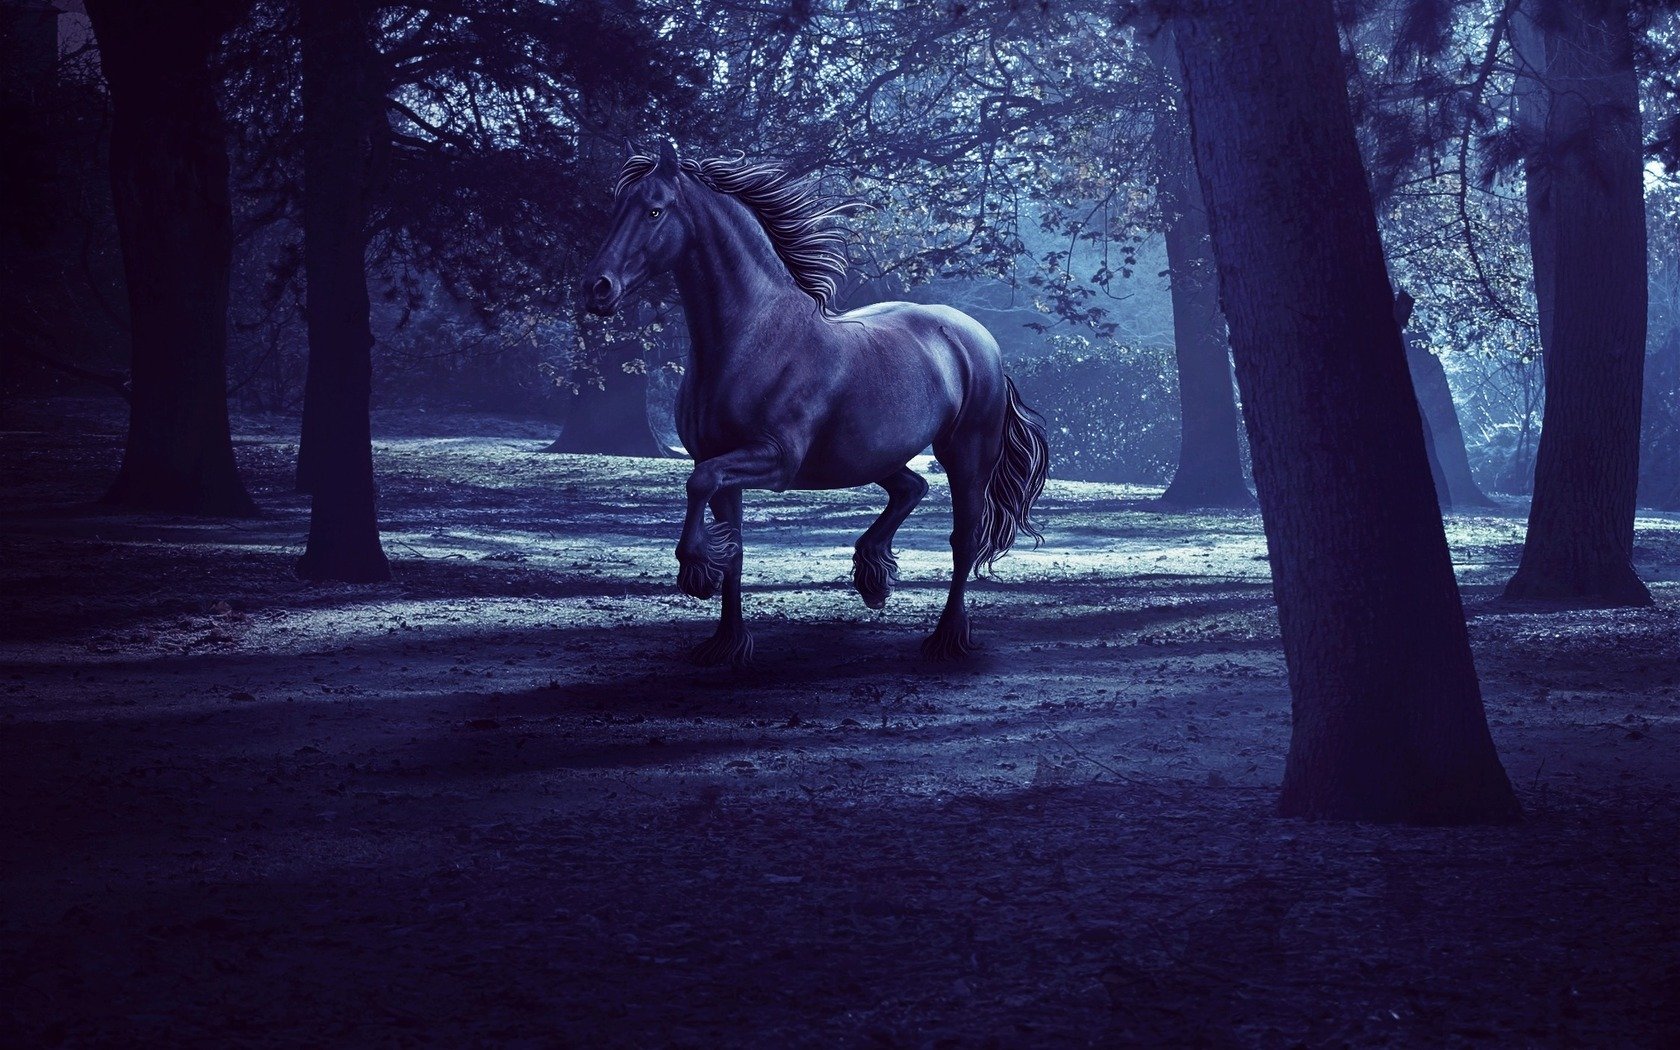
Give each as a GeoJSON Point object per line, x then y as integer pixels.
{"type": "Point", "coordinates": [732, 647]}
{"type": "Point", "coordinates": [701, 575]}
{"type": "Point", "coordinates": [948, 643]}
{"type": "Point", "coordinates": [698, 579]}
{"type": "Point", "coordinates": [873, 574]}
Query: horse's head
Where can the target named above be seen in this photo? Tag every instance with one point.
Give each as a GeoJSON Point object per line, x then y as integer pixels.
{"type": "Point", "coordinates": [649, 232]}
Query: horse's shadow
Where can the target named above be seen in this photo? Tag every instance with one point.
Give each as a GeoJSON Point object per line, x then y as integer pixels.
{"type": "Point", "coordinates": [808, 660]}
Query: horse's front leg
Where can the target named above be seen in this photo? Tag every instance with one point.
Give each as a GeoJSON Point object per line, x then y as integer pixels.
{"type": "Point", "coordinates": [705, 552]}
{"type": "Point", "coordinates": [731, 643]}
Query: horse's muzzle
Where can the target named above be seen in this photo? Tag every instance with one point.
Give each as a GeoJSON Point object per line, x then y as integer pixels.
{"type": "Point", "coordinates": [600, 296]}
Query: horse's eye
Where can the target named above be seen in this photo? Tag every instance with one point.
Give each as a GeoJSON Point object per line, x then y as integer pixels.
{"type": "Point", "coordinates": [654, 213]}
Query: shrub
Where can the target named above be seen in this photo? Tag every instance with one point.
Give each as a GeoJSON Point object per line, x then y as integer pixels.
{"type": "Point", "coordinates": [1111, 411]}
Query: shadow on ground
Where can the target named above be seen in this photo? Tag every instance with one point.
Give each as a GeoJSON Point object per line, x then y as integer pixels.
{"type": "Point", "coordinates": [487, 803]}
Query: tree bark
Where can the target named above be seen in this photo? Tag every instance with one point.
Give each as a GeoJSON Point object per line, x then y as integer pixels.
{"type": "Point", "coordinates": [338, 118]}
{"type": "Point", "coordinates": [1388, 719]}
{"type": "Point", "coordinates": [1586, 213]}
{"type": "Point", "coordinates": [309, 428]}
{"type": "Point", "coordinates": [1210, 471]}
{"type": "Point", "coordinates": [169, 187]}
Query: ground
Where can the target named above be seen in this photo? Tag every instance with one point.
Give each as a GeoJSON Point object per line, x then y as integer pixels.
{"type": "Point", "coordinates": [488, 803]}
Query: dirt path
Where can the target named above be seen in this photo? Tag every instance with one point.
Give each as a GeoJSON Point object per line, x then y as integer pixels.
{"type": "Point", "coordinates": [486, 804]}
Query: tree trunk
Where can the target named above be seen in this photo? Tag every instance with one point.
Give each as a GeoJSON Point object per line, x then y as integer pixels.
{"type": "Point", "coordinates": [1437, 477]}
{"type": "Point", "coordinates": [343, 522]}
{"type": "Point", "coordinates": [169, 187]}
{"type": "Point", "coordinates": [1659, 487]}
{"type": "Point", "coordinates": [1449, 461]}
{"type": "Point", "coordinates": [612, 422]}
{"type": "Point", "coordinates": [309, 428]}
{"type": "Point", "coordinates": [1210, 472]}
{"type": "Point", "coordinates": [1586, 215]}
{"type": "Point", "coordinates": [1388, 720]}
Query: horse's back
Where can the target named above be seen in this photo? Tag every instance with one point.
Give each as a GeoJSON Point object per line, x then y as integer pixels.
{"type": "Point", "coordinates": [925, 321]}
{"type": "Point", "coordinates": [951, 344]}
{"type": "Point", "coordinates": [898, 376]}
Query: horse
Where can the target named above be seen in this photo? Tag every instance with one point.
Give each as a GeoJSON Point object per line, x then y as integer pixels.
{"type": "Point", "coordinates": [781, 392]}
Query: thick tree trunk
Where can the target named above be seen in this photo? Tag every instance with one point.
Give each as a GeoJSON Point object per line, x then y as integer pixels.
{"type": "Point", "coordinates": [169, 185]}
{"type": "Point", "coordinates": [1449, 460]}
{"type": "Point", "coordinates": [609, 422]}
{"type": "Point", "coordinates": [1388, 720]}
{"type": "Point", "coordinates": [1586, 213]}
{"type": "Point", "coordinates": [343, 522]}
{"type": "Point", "coordinates": [309, 428]}
{"type": "Point", "coordinates": [1210, 472]}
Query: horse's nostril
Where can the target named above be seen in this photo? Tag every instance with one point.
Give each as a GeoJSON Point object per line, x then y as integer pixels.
{"type": "Point", "coordinates": [602, 289]}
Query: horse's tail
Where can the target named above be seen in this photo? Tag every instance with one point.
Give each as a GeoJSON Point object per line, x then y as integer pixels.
{"type": "Point", "coordinates": [1017, 479]}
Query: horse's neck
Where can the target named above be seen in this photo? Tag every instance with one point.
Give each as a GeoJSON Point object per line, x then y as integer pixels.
{"type": "Point", "coordinates": [730, 273]}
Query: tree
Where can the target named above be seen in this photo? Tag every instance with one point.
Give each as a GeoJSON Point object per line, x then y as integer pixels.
{"type": "Point", "coordinates": [1659, 461]}
{"type": "Point", "coordinates": [169, 185]}
{"type": "Point", "coordinates": [1449, 460]}
{"type": "Point", "coordinates": [1432, 93]}
{"type": "Point", "coordinates": [1586, 206]}
{"type": "Point", "coordinates": [60, 260]}
{"type": "Point", "coordinates": [1210, 471]}
{"type": "Point", "coordinates": [488, 171]}
{"type": "Point", "coordinates": [1388, 719]}
{"type": "Point", "coordinates": [482, 183]}
{"type": "Point", "coordinates": [606, 412]}
{"type": "Point", "coordinates": [339, 108]}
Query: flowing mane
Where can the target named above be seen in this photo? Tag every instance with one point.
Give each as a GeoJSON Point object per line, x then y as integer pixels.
{"type": "Point", "coordinates": [783, 397]}
{"type": "Point", "coordinates": [794, 215]}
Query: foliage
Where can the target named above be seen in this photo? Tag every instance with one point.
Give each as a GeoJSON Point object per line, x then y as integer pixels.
{"type": "Point", "coordinates": [494, 117]}
{"type": "Point", "coordinates": [1659, 464]}
{"type": "Point", "coordinates": [1006, 146]}
{"type": "Point", "coordinates": [1111, 410]}
{"type": "Point", "coordinates": [1437, 92]}
{"type": "Point", "coordinates": [977, 129]}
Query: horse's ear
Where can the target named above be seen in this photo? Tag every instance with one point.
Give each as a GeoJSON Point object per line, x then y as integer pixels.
{"type": "Point", "coordinates": [669, 165]}
{"type": "Point", "coordinates": [629, 147]}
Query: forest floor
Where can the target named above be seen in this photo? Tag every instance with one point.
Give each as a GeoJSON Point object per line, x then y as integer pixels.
{"type": "Point", "coordinates": [489, 804]}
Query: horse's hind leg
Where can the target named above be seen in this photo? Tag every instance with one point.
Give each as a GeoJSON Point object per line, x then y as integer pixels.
{"type": "Point", "coordinates": [874, 569]}
{"type": "Point", "coordinates": [967, 459]}
{"type": "Point", "coordinates": [731, 643]}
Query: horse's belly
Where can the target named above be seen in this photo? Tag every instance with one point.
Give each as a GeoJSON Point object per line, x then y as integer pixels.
{"type": "Point", "coordinates": [823, 475]}
{"type": "Point", "coordinates": [845, 461]}
{"type": "Point", "coordinates": [851, 420]}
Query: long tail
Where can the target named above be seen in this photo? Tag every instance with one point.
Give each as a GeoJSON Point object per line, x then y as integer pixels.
{"type": "Point", "coordinates": [1017, 479]}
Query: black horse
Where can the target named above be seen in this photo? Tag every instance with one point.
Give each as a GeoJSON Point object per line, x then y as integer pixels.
{"type": "Point", "coordinates": [781, 393]}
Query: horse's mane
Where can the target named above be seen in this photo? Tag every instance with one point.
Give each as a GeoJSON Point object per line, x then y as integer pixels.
{"type": "Point", "coordinates": [791, 210]}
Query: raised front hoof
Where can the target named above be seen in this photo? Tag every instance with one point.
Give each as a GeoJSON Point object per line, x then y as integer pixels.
{"type": "Point", "coordinates": [704, 564]}
{"type": "Point", "coordinates": [873, 574]}
{"type": "Point", "coordinates": [732, 647]}
{"type": "Point", "coordinates": [698, 579]}
{"type": "Point", "coordinates": [948, 643]}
